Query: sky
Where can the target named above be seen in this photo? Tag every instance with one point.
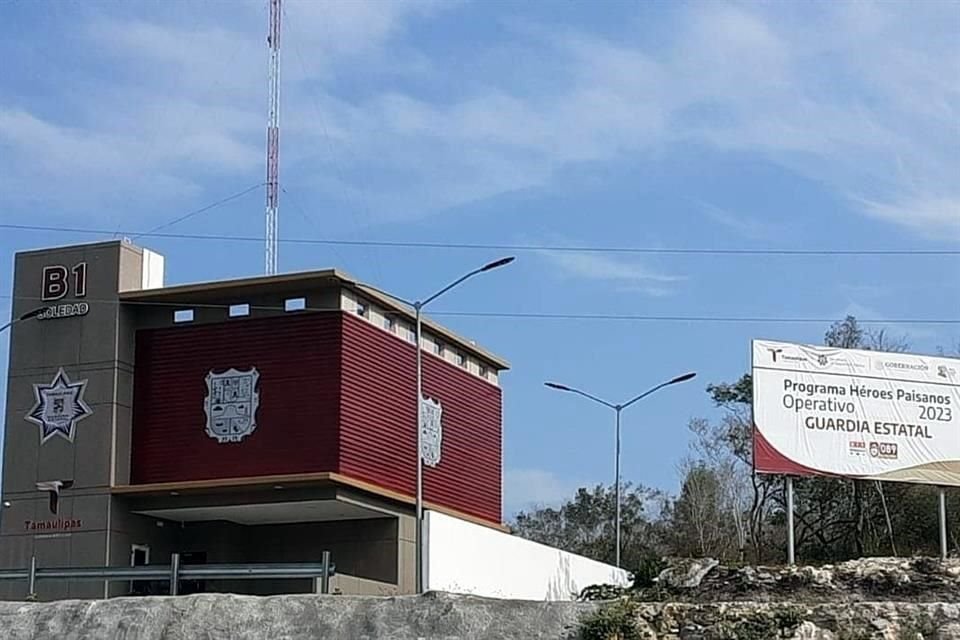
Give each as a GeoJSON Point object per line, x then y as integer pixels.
{"type": "Point", "coordinates": [557, 127]}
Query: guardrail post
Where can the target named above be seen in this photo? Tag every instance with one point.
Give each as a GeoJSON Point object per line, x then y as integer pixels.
{"type": "Point", "coordinates": [325, 578]}
{"type": "Point", "coordinates": [32, 579]}
{"type": "Point", "coordinates": [174, 573]}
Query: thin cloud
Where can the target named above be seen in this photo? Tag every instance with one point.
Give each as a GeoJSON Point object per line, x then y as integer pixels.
{"type": "Point", "coordinates": [627, 276]}
{"type": "Point", "coordinates": [856, 96]}
{"type": "Point", "coordinates": [927, 214]}
{"type": "Point", "coordinates": [743, 225]}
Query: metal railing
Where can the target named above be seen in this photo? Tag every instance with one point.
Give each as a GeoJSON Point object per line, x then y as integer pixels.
{"type": "Point", "coordinates": [175, 572]}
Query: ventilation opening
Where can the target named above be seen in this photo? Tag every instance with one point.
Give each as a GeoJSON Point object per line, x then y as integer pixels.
{"type": "Point", "coordinates": [295, 304]}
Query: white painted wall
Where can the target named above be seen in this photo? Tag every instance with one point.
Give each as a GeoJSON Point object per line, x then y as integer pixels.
{"type": "Point", "coordinates": [462, 557]}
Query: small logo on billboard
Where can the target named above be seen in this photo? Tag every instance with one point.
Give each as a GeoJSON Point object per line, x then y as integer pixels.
{"type": "Point", "coordinates": [886, 450]}
{"type": "Point", "coordinates": [431, 430]}
{"type": "Point", "coordinates": [231, 404]}
{"type": "Point", "coordinates": [945, 372]}
{"type": "Point", "coordinates": [58, 407]}
{"type": "Point", "coordinates": [858, 448]}
{"type": "Point", "coordinates": [774, 352]}
{"type": "Point", "coordinates": [819, 357]}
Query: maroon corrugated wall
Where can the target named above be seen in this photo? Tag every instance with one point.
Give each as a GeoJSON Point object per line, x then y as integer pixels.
{"type": "Point", "coordinates": [336, 394]}
{"type": "Point", "coordinates": [378, 413]}
{"type": "Point", "coordinates": [298, 360]}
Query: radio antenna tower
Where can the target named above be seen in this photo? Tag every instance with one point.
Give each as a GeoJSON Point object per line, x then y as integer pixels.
{"type": "Point", "coordinates": [273, 139]}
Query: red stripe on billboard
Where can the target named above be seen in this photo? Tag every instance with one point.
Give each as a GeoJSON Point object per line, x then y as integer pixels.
{"type": "Point", "coordinates": [767, 459]}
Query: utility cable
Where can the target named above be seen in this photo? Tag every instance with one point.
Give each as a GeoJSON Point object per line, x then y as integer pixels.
{"type": "Point", "coordinates": [401, 244]}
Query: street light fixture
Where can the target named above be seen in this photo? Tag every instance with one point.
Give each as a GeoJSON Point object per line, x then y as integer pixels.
{"type": "Point", "coordinates": [33, 313]}
{"type": "Point", "coordinates": [618, 408]}
{"type": "Point", "coordinates": [418, 306]}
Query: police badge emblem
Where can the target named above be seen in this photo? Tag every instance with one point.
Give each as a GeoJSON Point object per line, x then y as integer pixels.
{"type": "Point", "coordinates": [231, 404]}
{"type": "Point", "coordinates": [58, 407]}
{"type": "Point", "coordinates": [431, 431]}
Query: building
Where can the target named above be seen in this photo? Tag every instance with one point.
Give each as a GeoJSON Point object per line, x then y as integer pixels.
{"type": "Point", "coordinates": [264, 419]}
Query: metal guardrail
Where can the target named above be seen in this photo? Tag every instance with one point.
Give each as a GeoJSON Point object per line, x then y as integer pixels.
{"type": "Point", "coordinates": [175, 572]}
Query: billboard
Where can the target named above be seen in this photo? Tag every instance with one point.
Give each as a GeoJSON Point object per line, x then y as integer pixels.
{"type": "Point", "coordinates": [859, 414]}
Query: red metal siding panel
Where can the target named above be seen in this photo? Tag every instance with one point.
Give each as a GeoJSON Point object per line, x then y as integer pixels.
{"type": "Point", "coordinates": [298, 360]}
{"type": "Point", "coordinates": [378, 414]}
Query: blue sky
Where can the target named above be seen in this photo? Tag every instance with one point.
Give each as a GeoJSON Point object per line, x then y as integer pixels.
{"type": "Point", "coordinates": [717, 125]}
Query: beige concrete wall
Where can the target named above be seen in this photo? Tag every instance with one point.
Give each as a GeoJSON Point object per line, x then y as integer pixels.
{"type": "Point", "coordinates": [97, 348]}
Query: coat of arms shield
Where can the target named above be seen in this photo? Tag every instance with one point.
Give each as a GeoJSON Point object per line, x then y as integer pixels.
{"type": "Point", "coordinates": [431, 431]}
{"type": "Point", "coordinates": [231, 404]}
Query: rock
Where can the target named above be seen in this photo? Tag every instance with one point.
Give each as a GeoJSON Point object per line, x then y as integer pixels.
{"type": "Point", "coordinates": [686, 574]}
{"type": "Point", "coordinates": [449, 617]}
{"type": "Point", "coordinates": [868, 579]}
{"type": "Point", "coordinates": [868, 599]}
{"type": "Point", "coordinates": [809, 631]}
{"type": "Point", "coordinates": [291, 617]}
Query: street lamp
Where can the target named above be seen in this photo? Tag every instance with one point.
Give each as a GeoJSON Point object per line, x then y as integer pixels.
{"type": "Point", "coordinates": [619, 408]}
{"type": "Point", "coordinates": [418, 306]}
{"type": "Point", "coordinates": [33, 313]}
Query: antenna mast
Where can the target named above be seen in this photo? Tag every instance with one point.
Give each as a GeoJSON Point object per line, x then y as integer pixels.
{"type": "Point", "coordinates": [273, 139]}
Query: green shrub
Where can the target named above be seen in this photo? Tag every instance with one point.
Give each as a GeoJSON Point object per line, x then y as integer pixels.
{"type": "Point", "coordinates": [615, 621]}
{"type": "Point", "coordinates": [649, 567]}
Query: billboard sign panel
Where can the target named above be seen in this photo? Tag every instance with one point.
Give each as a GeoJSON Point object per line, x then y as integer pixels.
{"type": "Point", "coordinates": [860, 414]}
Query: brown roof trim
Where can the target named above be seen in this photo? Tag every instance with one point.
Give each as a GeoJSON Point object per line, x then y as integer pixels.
{"type": "Point", "coordinates": [291, 479]}
{"type": "Point", "coordinates": [281, 281]}
{"type": "Point", "coordinates": [215, 286]}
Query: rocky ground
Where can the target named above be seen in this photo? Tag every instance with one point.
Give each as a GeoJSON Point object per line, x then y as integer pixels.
{"type": "Point", "coordinates": [869, 579]}
{"type": "Point", "coordinates": [770, 621]}
{"type": "Point", "coordinates": [875, 599]}
{"type": "Point", "coordinates": [868, 599]}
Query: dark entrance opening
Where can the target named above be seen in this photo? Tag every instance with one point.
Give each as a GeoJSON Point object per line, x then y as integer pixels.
{"type": "Point", "coordinates": [193, 586]}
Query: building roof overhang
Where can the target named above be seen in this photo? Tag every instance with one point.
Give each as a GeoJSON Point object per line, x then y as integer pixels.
{"type": "Point", "coordinates": [217, 496]}
{"type": "Point", "coordinates": [232, 291]}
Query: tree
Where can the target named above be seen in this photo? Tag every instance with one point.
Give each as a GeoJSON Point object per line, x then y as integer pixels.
{"type": "Point", "coordinates": [734, 434]}
{"type": "Point", "coordinates": [700, 518]}
{"type": "Point", "coordinates": [585, 524]}
{"type": "Point", "coordinates": [725, 509]}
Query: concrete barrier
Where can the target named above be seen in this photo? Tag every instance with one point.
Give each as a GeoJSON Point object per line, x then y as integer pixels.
{"type": "Point", "coordinates": [468, 558]}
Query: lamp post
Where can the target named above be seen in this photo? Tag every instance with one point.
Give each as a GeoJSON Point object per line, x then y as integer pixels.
{"type": "Point", "coordinates": [618, 408]}
{"type": "Point", "coordinates": [33, 313]}
{"type": "Point", "coordinates": [418, 306]}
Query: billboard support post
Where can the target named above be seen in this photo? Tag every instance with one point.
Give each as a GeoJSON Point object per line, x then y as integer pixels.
{"type": "Point", "coordinates": [790, 555]}
{"type": "Point", "coordinates": [943, 524]}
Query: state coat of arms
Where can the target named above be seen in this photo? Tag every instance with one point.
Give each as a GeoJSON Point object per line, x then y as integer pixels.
{"type": "Point", "coordinates": [431, 431]}
{"type": "Point", "coordinates": [231, 404]}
